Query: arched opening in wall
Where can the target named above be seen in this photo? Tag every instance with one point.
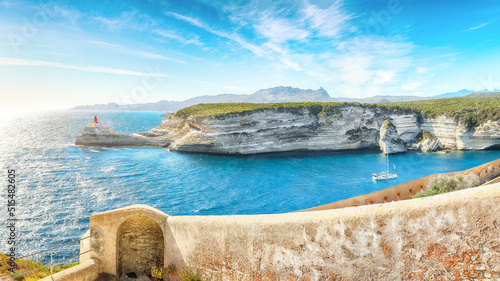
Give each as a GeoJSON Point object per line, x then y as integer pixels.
{"type": "Point", "coordinates": [140, 246]}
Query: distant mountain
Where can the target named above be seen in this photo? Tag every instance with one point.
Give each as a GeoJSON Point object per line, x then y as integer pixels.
{"type": "Point", "coordinates": [289, 94]}
{"type": "Point", "coordinates": [463, 93]}
{"type": "Point", "coordinates": [163, 105]}
{"type": "Point", "coordinates": [384, 99]}
{"type": "Point", "coordinates": [272, 95]}
{"type": "Point", "coordinates": [484, 95]}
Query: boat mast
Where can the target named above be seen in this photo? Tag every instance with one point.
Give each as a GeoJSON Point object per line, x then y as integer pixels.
{"type": "Point", "coordinates": [387, 160]}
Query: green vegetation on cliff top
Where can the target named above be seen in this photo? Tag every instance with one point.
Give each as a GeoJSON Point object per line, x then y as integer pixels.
{"type": "Point", "coordinates": [424, 135]}
{"type": "Point", "coordinates": [388, 124]}
{"type": "Point", "coordinates": [470, 111]}
{"type": "Point", "coordinates": [214, 109]}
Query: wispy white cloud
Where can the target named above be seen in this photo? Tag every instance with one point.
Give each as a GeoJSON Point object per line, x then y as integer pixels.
{"type": "Point", "coordinates": [330, 22]}
{"type": "Point", "coordinates": [477, 27]}
{"type": "Point", "coordinates": [186, 40]}
{"type": "Point", "coordinates": [133, 20]}
{"type": "Point", "coordinates": [8, 4]}
{"type": "Point", "coordinates": [229, 87]}
{"type": "Point", "coordinates": [363, 64]}
{"type": "Point", "coordinates": [231, 36]}
{"type": "Point", "coordinates": [358, 64]}
{"type": "Point", "coordinates": [384, 76]}
{"type": "Point", "coordinates": [98, 69]}
{"type": "Point", "coordinates": [129, 20]}
{"type": "Point", "coordinates": [279, 30]}
{"type": "Point", "coordinates": [191, 20]}
{"type": "Point", "coordinates": [124, 50]}
{"type": "Point", "coordinates": [290, 64]}
{"type": "Point", "coordinates": [422, 70]}
{"type": "Point", "coordinates": [411, 86]}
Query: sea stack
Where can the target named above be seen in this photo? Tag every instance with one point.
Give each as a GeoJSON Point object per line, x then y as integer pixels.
{"type": "Point", "coordinates": [390, 142]}
{"type": "Point", "coordinates": [98, 134]}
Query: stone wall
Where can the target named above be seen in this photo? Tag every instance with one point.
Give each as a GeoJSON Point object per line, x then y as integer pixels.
{"type": "Point", "coordinates": [451, 236]}
{"type": "Point", "coordinates": [128, 239]}
{"type": "Point", "coordinates": [140, 245]}
{"type": "Point", "coordinates": [454, 236]}
{"type": "Point", "coordinates": [87, 270]}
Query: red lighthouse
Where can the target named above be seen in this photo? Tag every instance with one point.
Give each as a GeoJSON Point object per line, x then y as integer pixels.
{"type": "Point", "coordinates": [95, 119]}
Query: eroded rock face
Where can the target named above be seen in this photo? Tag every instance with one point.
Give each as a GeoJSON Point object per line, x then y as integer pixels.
{"type": "Point", "coordinates": [272, 130]}
{"type": "Point", "coordinates": [351, 126]}
{"type": "Point", "coordinates": [427, 142]}
{"type": "Point", "coordinates": [454, 135]}
{"type": "Point", "coordinates": [390, 142]}
{"type": "Point", "coordinates": [97, 134]}
{"type": "Point", "coordinates": [427, 145]}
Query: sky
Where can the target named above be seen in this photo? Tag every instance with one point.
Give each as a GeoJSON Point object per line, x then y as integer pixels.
{"type": "Point", "coordinates": [60, 54]}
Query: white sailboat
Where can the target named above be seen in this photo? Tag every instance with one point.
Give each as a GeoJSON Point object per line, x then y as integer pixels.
{"type": "Point", "coordinates": [385, 175]}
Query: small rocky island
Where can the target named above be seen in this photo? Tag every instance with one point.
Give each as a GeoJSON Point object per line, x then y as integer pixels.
{"type": "Point", "coordinates": [98, 134]}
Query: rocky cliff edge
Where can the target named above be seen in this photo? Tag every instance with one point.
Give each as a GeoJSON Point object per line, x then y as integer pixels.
{"type": "Point", "coordinates": [314, 127]}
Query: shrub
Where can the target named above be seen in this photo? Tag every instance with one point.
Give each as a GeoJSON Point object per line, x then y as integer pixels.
{"type": "Point", "coordinates": [28, 265]}
{"type": "Point", "coordinates": [387, 124]}
{"type": "Point", "coordinates": [186, 274]}
{"type": "Point", "coordinates": [424, 135]}
{"type": "Point", "coordinates": [157, 272]}
{"type": "Point", "coordinates": [445, 184]}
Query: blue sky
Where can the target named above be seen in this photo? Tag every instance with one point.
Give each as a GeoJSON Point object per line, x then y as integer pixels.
{"type": "Point", "coordinates": [59, 54]}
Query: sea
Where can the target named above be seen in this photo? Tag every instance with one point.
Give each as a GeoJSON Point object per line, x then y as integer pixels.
{"type": "Point", "coordinates": [59, 185]}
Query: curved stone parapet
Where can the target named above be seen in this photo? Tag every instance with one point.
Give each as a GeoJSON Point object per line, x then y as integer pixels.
{"type": "Point", "coordinates": [411, 239]}
{"type": "Point", "coordinates": [88, 270]}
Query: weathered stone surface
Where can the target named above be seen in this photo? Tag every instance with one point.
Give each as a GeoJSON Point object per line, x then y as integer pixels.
{"type": "Point", "coordinates": [140, 246]}
{"type": "Point", "coordinates": [114, 225]}
{"type": "Point", "coordinates": [427, 145]}
{"type": "Point", "coordinates": [452, 236]}
{"type": "Point", "coordinates": [349, 127]}
{"type": "Point", "coordinates": [390, 142]}
{"type": "Point", "coordinates": [454, 135]}
{"type": "Point", "coordinates": [97, 134]}
{"type": "Point", "coordinates": [260, 131]}
{"type": "Point", "coordinates": [88, 270]}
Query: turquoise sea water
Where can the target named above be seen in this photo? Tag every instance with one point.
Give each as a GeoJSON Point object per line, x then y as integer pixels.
{"type": "Point", "coordinates": [60, 185]}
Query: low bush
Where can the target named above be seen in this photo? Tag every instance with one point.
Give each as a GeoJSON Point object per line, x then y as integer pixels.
{"type": "Point", "coordinates": [28, 265]}
{"type": "Point", "coordinates": [445, 184]}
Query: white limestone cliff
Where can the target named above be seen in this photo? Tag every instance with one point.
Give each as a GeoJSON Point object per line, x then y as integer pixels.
{"type": "Point", "coordinates": [454, 135]}
{"type": "Point", "coordinates": [352, 126]}
{"type": "Point", "coordinates": [390, 142]}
